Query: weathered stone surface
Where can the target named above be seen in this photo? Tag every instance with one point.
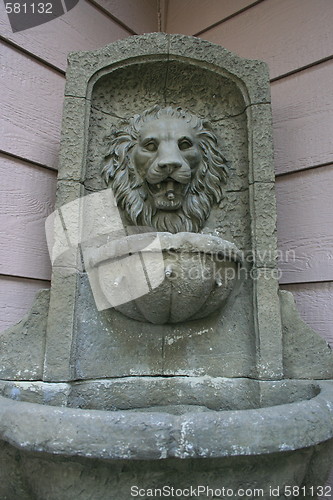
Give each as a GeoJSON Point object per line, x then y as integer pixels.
{"type": "Point", "coordinates": [253, 74]}
{"type": "Point", "coordinates": [167, 394]}
{"type": "Point", "coordinates": [263, 224]}
{"type": "Point", "coordinates": [172, 277]}
{"type": "Point", "coordinates": [186, 86]}
{"type": "Point", "coordinates": [217, 345]}
{"type": "Point", "coordinates": [268, 324]}
{"type": "Point", "coordinates": [261, 139]}
{"type": "Point", "coordinates": [230, 220]}
{"type": "Point", "coordinates": [127, 347]}
{"type": "Point", "coordinates": [305, 353]}
{"type": "Point", "coordinates": [131, 89]}
{"type": "Point", "coordinates": [12, 482]}
{"type": "Point", "coordinates": [197, 478]}
{"type": "Point", "coordinates": [318, 471]}
{"type": "Point", "coordinates": [58, 364]}
{"type": "Point", "coordinates": [54, 394]}
{"type": "Point", "coordinates": [68, 191]}
{"type": "Point", "coordinates": [22, 346]}
{"type": "Point", "coordinates": [129, 434]}
{"type": "Point", "coordinates": [122, 346]}
{"type": "Point", "coordinates": [254, 448]}
{"type": "Point", "coordinates": [82, 66]}
{"type": "Point", "coordinates": [176, 395]}
{"type": "Point", "coordinates": [197, 85]}
{"type": "Point", "coordinates": [73, 139]}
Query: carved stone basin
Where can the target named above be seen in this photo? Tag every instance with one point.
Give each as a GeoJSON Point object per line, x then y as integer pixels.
{"type": "Point", "coordinates": [163, 277]}
{"type": "Point", "coordinates": [248, 416]}
{"type": "Point", "coordinates": [274, 434]}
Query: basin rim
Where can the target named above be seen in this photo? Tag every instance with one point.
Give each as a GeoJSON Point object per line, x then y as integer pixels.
{"type": "Point", "coordinates": [180, 242]}
{"type": "Point", "coordinates": [130, 435]}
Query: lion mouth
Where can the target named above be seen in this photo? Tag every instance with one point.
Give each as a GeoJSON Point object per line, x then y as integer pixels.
{"type": "Point", "coordinates": [167, 194]}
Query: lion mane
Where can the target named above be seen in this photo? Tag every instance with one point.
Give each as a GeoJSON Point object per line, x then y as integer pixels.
{"type": "Point", "coordinates": [130, 189]}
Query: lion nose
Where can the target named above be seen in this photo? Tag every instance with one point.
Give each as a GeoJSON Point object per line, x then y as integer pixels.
{"type": "Point", "coordinates": [169, 166]}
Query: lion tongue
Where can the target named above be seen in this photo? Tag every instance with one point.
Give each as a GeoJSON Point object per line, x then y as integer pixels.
{"type": "Point", "coordinates": [170, 190]}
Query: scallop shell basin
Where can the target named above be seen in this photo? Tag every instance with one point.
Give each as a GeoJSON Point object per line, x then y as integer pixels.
{"type": "Point", "coordinates": [166, 278]}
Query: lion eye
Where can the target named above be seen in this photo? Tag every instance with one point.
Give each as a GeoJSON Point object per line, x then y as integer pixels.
{"type": "Point", "coordinates": [184, 144]}
{"type": "Point", "coordinates": [150, 146]}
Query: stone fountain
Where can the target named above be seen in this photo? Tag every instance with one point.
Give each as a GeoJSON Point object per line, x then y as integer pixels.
{"type": "Point", "coordinates": [164, 361]}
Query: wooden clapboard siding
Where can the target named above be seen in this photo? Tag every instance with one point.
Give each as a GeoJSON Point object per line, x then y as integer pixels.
{"type": "Point", "coordinates": [302, 106]}
{"type": "Point", "coordinates": [27, 195]}
{"type": "Point", "coordinates": [305, 228]}
{"type": "Point", "coordinates": [31, 107]}
{"type": "Point", "coordinates": [16, 297]}
{"type": "Point", "coordinates": [191, 16]}
{"type": "Point", "coordinates": [287, 34]}
{"type": "Point", "coordinates": [140, 17]}
{"type": "Point", "coordinates": [85, 27]}
{"type": "Point", "coordinates": [314, 302]}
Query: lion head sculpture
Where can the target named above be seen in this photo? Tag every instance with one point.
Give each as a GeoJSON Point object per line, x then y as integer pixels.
{"type": "Point", "coordinates": [166, 169]}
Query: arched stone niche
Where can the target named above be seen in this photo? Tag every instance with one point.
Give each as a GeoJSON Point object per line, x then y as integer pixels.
{"type": "Point", "coordinates": [116, 82]}
{"type": "Point", "coordinates": [212, 95]}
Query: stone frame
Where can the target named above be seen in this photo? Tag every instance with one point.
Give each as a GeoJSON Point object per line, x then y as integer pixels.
{"type": "Point", "coordinates": [252, 79]}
